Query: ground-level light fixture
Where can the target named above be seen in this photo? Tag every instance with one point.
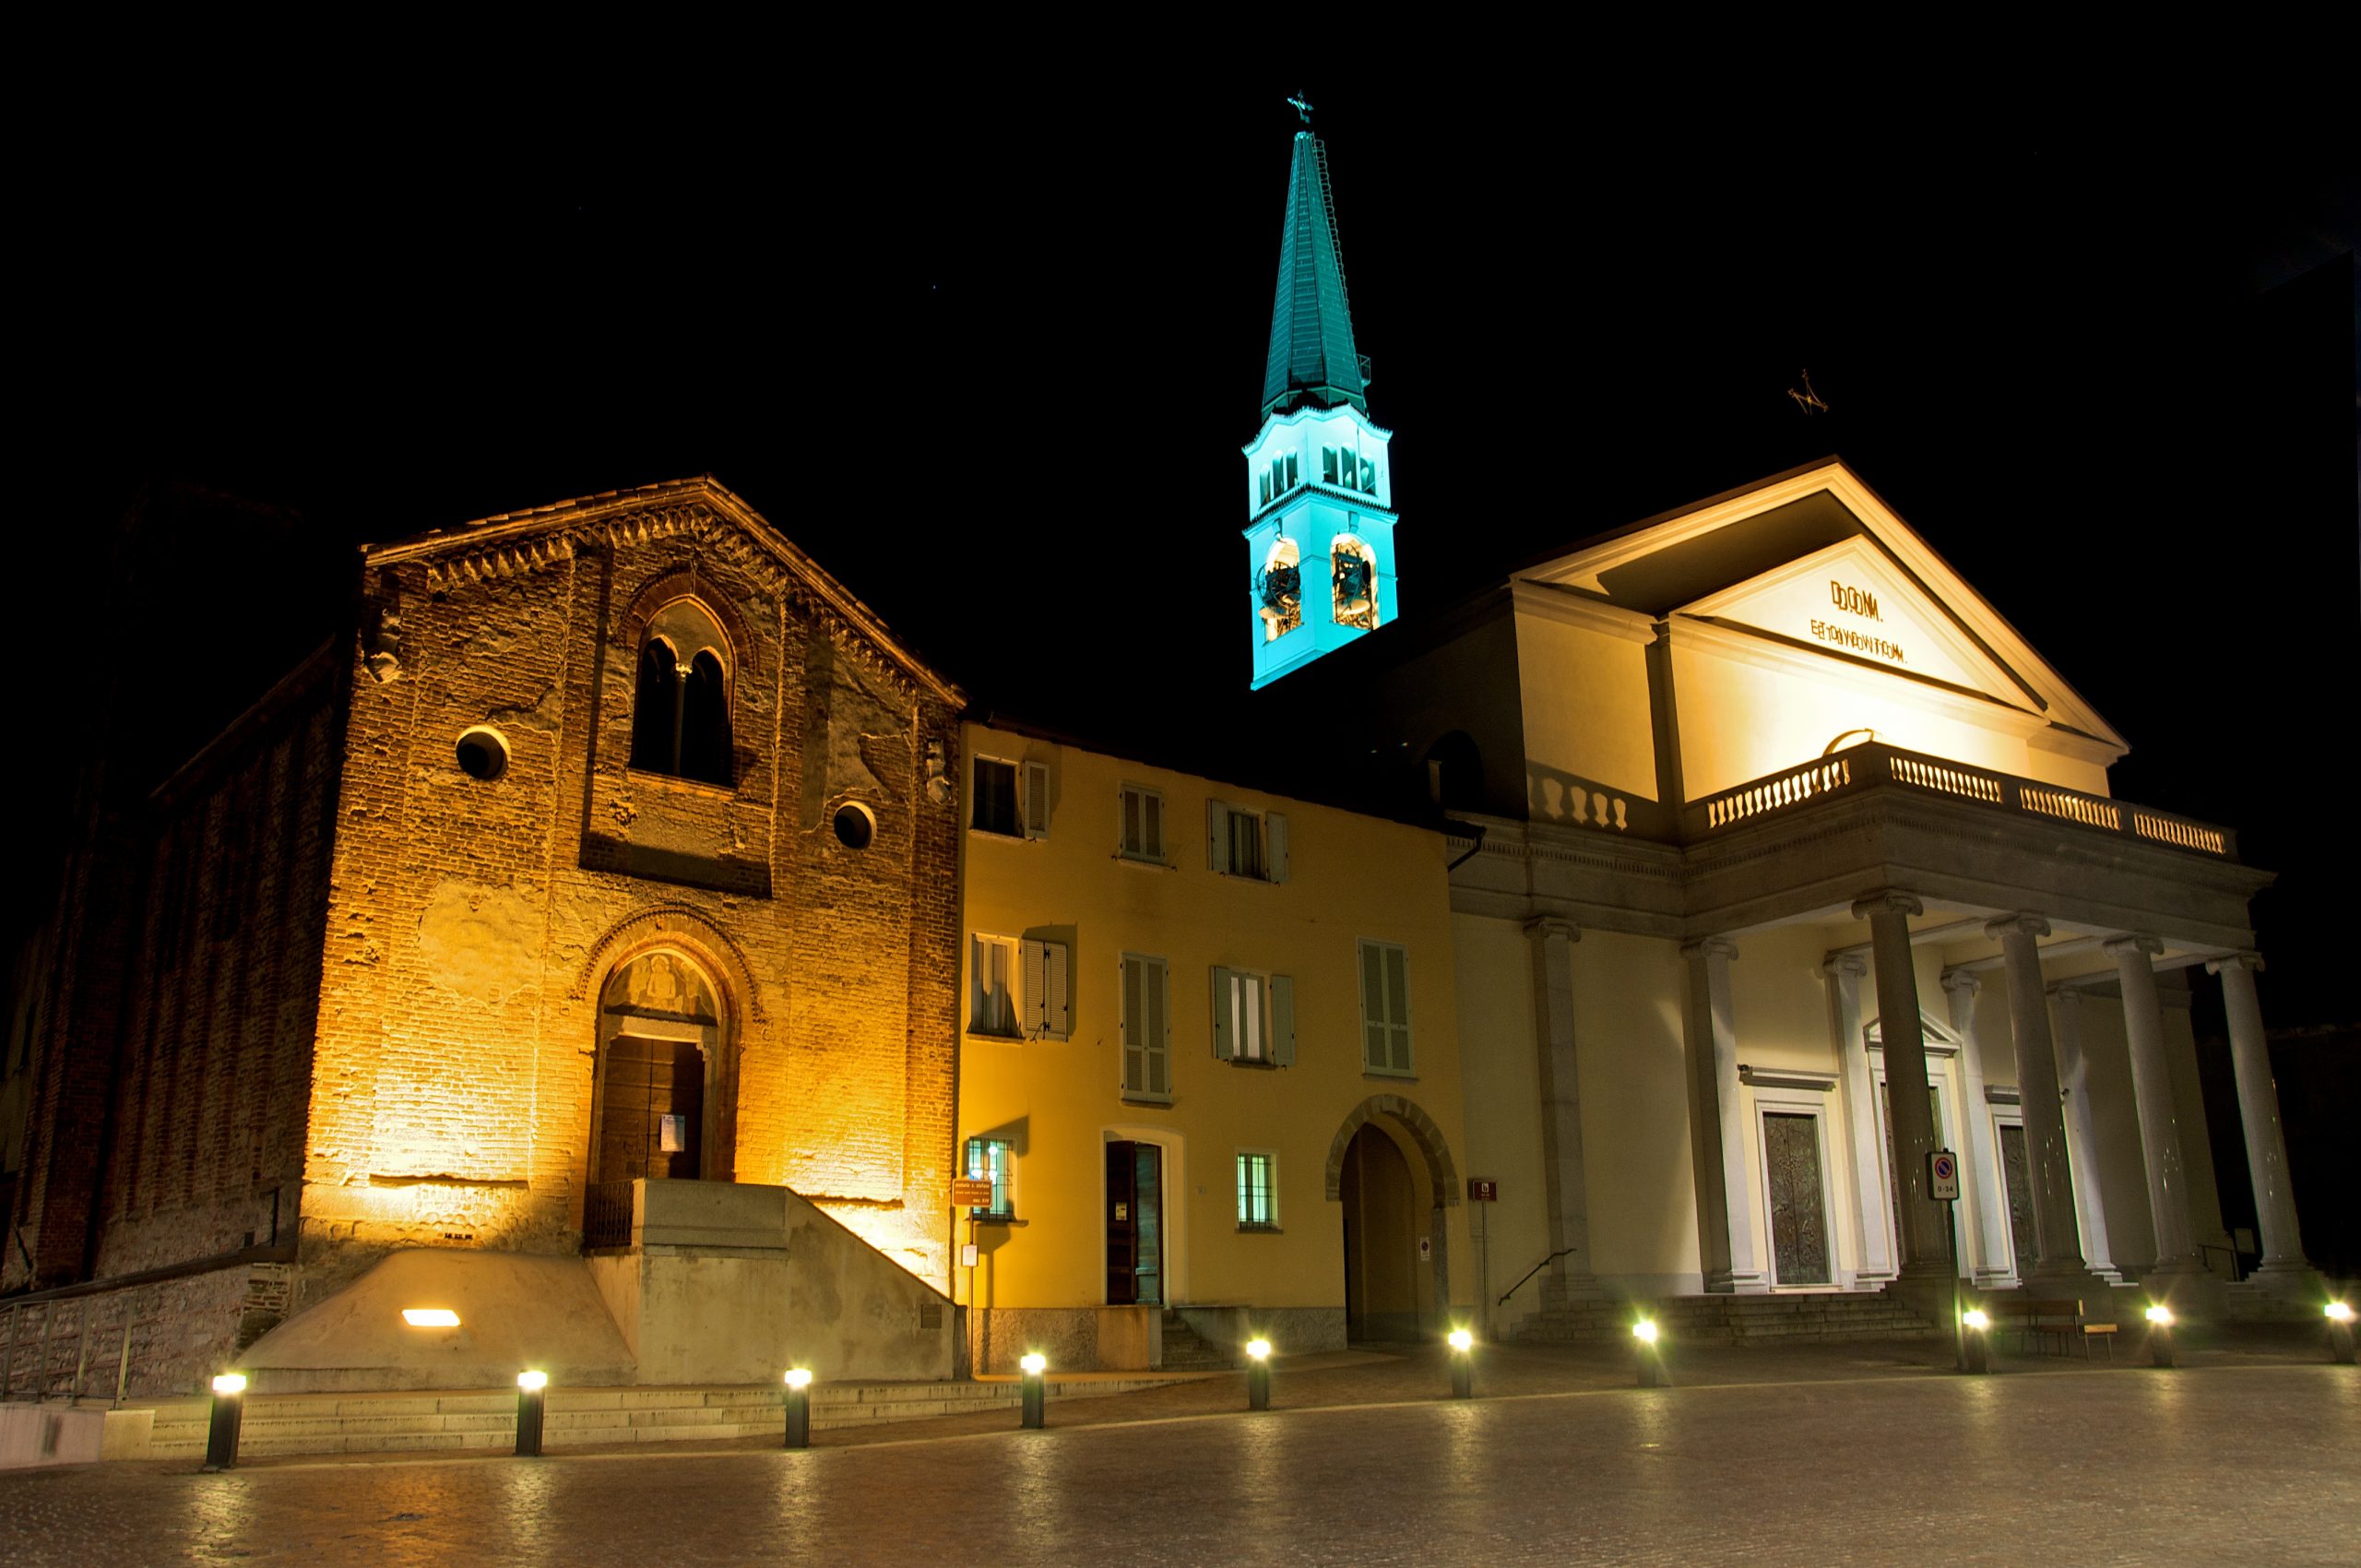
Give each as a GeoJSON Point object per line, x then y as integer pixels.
{"type": "Point", "coordinates": [224, 1419]}
{"type": "Point", "coordinates": [1258, 1374]}
{"type": "Point", "coordinates": [532, 1400]}
{"type": "Point", "coordinates": [1651, 1358]}
{"type": "Point", "coordinates": [799, 1407]}
{"type": "Point", "coordinates": [430, 1317]}
{"type": "Point", "coordinates": [1975, 1345]}
{"type": "Point", "coordinates": [2160, 1335]}
{"type": "Point", "coordinates": [2340, 1331]}
{"type": "Point", "coordinates": [1037, 1388]}
{"type": "Point", "coordinates": [1463, 1364]}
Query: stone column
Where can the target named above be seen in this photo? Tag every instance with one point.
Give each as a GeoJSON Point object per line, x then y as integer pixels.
{"type": "Point", "coordinates": [1925, 1244]}
{"type": "Point", "coordinates": [1727, 1248]}
{"type": "Point", "coordinates": [2152, 1095]}
{"type": "Point", "coordinates": [2059, 1268]}
{"type": "Point", "coordinates": [2081, 1141]}
{"type": "Point", "coordinates": [2283, 1270]}
{"type": "Point", "coordinates": [1872, 1224]}
{"type": "Point", "coordinates": [1981, 1160]}
{"type": "Point", "coordinates": [1565, 1190]}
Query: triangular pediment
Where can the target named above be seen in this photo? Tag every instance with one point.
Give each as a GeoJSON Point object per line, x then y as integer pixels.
{"type": "Point", "coordinates": [1758, 562]}
{"type": "Point", "coordinates": [703, 508]}
{"type": "Point", "coordinates": [1852, 602]}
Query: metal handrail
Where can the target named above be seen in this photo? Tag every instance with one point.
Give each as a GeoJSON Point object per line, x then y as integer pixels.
{"type": "Point", "coordinates": [1544, 1262]}
{"type": "Point", "coordinates": [2231, 1252]}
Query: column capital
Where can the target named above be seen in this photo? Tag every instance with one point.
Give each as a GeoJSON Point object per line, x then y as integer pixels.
{"type": "Point", "coordinates": [1711, 946]}
{"type": "Point", "coordinates": [2023, 923]}
{"type": "Point", "coordinates": [1957, 980]}
{"type": "Point", "coordinates": [2248, 960]}
{"type": "Point", "coordinates": [1553, 925]}
{"type": "Point", "coordinates": [1885, 898]}
{"type": "Point", "coordinates": [2066, 992]}
{"type": "Point", "coordinates": [1837, 963]}
{"type": "Point", "coordinates": [2137, 941]}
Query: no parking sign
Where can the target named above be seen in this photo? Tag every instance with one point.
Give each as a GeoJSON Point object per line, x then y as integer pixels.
{"type": "Point", "coordinates": [1942, 1176]}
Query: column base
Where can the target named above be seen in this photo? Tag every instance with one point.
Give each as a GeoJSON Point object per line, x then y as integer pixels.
{"type": "Point", "coordinates": [2289, 1282]}
{"type": "Point", "coordinates": [1572, 1288]}
{"type": "Point", "coordinates": [1996, 1279]}
{"type": "Point", "coordinates": [2095, 1291]}
{"type": "Point", "coordinates": [2187, 1285]}
{"type": "Point", "coordinates": [1723, 1282]}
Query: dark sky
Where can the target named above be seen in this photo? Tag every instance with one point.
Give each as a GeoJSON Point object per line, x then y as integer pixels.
{"type": "Point", "coordinates": [989, 352]}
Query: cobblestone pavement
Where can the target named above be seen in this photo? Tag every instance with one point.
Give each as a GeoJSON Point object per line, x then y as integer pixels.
{"type": "Point", "coordinates": [1832, 1454]}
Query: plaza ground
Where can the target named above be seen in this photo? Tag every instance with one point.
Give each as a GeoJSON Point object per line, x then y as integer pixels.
{"type": "Point", "coordinates": [1869, 1453]}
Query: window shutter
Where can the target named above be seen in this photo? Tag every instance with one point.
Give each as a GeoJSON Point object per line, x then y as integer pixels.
{"type": "Point", "coordinates": [1225, 1004]}
{"type": "Point", "coordinates": [1216, 835]}
{"type": "Point", "coordinates": [1152, 826]}
{"type": "Point", "coordinates": [1130, 831]}
{"type": "Point", "coordinates": [1275, 846]}
{"type": "Point", "coordinates": [1375, 1048]}
{"type": "Point", "coordinates": [1397, 1004]}
{"type": "Point", "coordinates": [1053, 989]}
{"type": "Point", "coordinates": [1036, 800]}
{"type": "Point", "coordinates": [1032, 988]}
{"type": "Point", "coordinates": [1133, 1024]}
{"type": "Point", "coordinates": [1158, 1005]}
{"type": "Point", "coordinates": [1282, 1021]}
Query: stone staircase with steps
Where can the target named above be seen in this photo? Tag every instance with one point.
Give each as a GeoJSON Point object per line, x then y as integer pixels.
{"type": "Point", "coordinates": [1186, 1350]}
{"type": "Point", "coordinates": [486, 1418]}
{"type": "Point", "coordinates": [1732, 1320]}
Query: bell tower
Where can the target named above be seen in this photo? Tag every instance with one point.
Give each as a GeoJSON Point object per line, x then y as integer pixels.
{"type": "Point", "coordinates": [1318, 486]}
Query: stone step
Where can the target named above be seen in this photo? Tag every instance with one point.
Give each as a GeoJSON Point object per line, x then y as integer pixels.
{"type": "Point", "coordinates": [1737, 1320]}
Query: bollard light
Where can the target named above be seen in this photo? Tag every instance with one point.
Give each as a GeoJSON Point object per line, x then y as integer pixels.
{"type": "Point", "coordinates": [2340, 1332]}
{"type": "Point", "coordinates": [1974, 1345]}
{"type": "Point", "coordinates": [532, 1392]}
{"type": "Point", "coordinates": [1463, 1364]}
{"type": "Point", "coordinates": [1037, 1388]}
{"type": "Point", "coordinates": [1643, 1334]}
{"type": "Point", "coordinates": [2160, 1335]}
{"type": "Point", "coordinates": [1258, 1374]}
{"type": "Point", "coordinates": [228, 1414]}
{"type": "Point", "coordinates": [799, 1407]}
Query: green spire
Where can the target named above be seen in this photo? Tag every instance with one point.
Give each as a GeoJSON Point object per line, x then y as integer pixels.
{"type": "Point", "coordinates": [1312, 327]}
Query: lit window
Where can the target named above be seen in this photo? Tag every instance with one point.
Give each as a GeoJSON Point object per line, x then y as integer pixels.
{"type": "Point", "coordinates": [1279, 585]}
{"type": "Point", "coordinates": [1354, 574]}
{"type": "Point", "coordinates": [1146, 1027]}
{"type": "Point", "coordinates": [1385, 1007]}
{"type": "Point", "coordinates": [681, 711]}
{"type": "Point", "coordinates": [988, 1158]}
{"type": "Point", "coordinates": [1246, 843]}
{"type": "Point", "coordinates": [1141, 824]}
{"type": "Point", "coordinates": [1258, 1192]}
{"type": "Point", "coordinates": [1011, 799]}
{"type": "Point", "coordinates": [991, 992]}
{"type": "Point", "coordinates": [1254, 1017]}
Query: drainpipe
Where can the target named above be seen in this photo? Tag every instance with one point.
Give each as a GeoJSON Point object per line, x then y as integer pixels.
{"type": "Point", "coordinates": [1474, 828]}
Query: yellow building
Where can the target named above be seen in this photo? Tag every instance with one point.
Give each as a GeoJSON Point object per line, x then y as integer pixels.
{"type": "Point", "coordinates": [1209, 1059]}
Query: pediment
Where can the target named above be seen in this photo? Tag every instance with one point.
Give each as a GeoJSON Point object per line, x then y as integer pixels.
{"type": "Point", "coordinates": [1852, 602]}
{"type": "Point", "coordinates": [721, 523]}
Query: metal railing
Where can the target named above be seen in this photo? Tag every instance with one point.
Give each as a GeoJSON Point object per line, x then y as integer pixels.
{"type": "Point", "coordinates": [606, 1215]}
{"type": "Point", "coordinates": [1874, 763]}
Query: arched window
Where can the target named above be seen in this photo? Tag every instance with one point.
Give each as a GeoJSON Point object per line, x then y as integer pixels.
{"type": "Point", "coordinates": [1355, 567]}
{"type": "Point", "coordinates": [1280, 586]}
{"type": "Point", "coordinates": [681, 715]}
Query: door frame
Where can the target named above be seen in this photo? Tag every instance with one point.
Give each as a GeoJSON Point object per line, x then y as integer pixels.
{"type": "Point", "coordinates": [1775, 1103]}
{"type": "Point", "coordinates": [1176, 1189]}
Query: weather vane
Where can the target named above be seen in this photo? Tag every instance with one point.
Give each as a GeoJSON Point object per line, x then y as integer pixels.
{"type": "Point", "coordinates": [1302, 105]}
{"type": "Point", "coordinates": [1808, 399]}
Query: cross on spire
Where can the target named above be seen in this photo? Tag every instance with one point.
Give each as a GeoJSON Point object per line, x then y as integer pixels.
{"type": "Point", "coordinates": [1302, 106]}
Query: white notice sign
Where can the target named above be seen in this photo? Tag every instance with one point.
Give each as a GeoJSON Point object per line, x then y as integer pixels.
{"type": "Point", "coordinates": [1942, 1176]}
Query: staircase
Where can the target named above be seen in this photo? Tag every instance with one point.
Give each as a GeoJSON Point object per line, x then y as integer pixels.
{"type": "Point", "coordinates": [1186, 1350]}
{"type": "Point", "coordinates": [1733, 1320]}
{"type": "Point", "coordinates": [486, 1420]}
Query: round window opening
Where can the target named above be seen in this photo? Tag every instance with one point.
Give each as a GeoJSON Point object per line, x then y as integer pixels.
{"type": "Point", "coordinates": [855, 825]}
{"type": "Point", "coordinates": [483, 754]}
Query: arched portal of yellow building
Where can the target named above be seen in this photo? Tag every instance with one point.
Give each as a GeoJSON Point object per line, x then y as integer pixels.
{"type": "Point", "coordinates": [1392, 1174]}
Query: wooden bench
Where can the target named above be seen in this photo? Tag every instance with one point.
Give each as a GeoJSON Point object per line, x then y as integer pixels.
{"type": "Point", "coordinates": [2045, 1321]}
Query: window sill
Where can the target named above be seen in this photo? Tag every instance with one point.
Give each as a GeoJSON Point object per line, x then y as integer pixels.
{"type": "Point", "coordinates": [1260, 1230]}
{"type": "Point", "coordinates": [996, 1037]}
{"type": "Point", "coordinates": [1146, 862]}
{"type": "Point", "coordinates": [1258, 1061]}
{"type": "Point", "coordinates": [1141, 1097]}
{"type": "Point", "coordinates": [1396, 1074]}
{"type": "Point", "coordinates": [1003, 1220]}
{"type": "Point", "coordinates": [1241, 876]}
{"type": "Point", "coordinates": [641, 775]}
{"type": "Point", "coordinates": [1018, 838]}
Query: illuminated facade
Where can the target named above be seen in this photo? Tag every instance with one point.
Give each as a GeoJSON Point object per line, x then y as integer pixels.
{"type": "Point", "coordinates": [1318, 481]}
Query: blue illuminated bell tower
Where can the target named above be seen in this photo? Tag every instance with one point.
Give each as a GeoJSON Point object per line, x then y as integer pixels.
{"type": "Point", "coordinates": [1319, 487]}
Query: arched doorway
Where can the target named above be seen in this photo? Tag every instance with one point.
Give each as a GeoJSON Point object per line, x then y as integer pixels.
{"type": "Point", "coordinates": [1380, 1239]}
{"type": "Point", "coordinates": [657, 1104]}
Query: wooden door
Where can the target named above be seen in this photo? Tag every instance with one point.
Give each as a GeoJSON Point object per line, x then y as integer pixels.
{"type": "Point", "coordinates": [651, 1088]}
{"type": "Point", "coordinates": [1135, 1224]}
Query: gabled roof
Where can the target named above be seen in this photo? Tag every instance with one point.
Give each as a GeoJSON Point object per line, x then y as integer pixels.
{"type": "Point", "coordinates": [1312, 326]}
{"type": "Point", "coordinates": [1738, 558]}
{"type": "Point", "coordinates": [703, 508]}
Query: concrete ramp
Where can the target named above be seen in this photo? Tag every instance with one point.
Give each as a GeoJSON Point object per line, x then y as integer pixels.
{"type": "Point", "coordinates": [516, 1311]}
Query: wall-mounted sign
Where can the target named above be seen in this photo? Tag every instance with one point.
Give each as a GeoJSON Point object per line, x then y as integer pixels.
{"type": "Point", "coordinates": [1483, 1190]}
{"type": "Point", "coordinates": [1426, 1248]}
{"type": "Point", "coordinates": [971, 1191]}
{"type": "Point", "coordinates": [967, 1255]}
{"type": "Point", "coordinates": [1942, 1176]}
{"type": "Point", "coordinates": [672, 1133]}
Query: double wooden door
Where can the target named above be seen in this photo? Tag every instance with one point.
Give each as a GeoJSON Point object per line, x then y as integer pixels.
{"type": "Point", "coordinates": [1135, 1224]}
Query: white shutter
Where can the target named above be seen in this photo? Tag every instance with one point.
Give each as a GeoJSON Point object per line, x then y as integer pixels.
{"type": "Point", "coordinates": [1036, 800]}
{"type": "Point", "coordinates": [1053, 989]}
{"type": "Point", "coordinates": [1376, 1046]}
{"type": "Point", "coordinates": [1130, 985]}
{"type": "Point", "coordinates": [1275, 845]}
{"type": "Point", "coordinates": [1225, 1006]}
{"type": "Point", "coordinates": [1157, 997]}
{"type": "Point", "coordinates": [1282, 1021]}
{"type": "Point", "coordinates": [1216, 835]}
{"type": "Point", "coordinates": [1151, 825]}
{"type": "Point", "coordinates": [1032, 988]}
{"type": "Point", "coordinates": [1397, 1004]}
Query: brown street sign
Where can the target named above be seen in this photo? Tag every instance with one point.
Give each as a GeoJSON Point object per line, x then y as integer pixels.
{"type": "Point", "coordinates": [1483, 1190]}
{"type": "Point", "coordinates": [971, 1191]}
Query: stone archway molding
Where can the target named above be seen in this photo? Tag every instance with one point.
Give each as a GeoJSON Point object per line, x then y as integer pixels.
{"type": "Point", "coordinates": [675, 926]}
{"type": "Point", "coordinates": [1423, 1132]}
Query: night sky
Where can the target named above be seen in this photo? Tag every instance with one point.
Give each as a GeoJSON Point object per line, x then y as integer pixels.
{"type": "Point", "coordinates": [989, 353]}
